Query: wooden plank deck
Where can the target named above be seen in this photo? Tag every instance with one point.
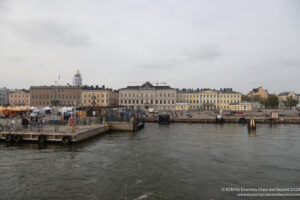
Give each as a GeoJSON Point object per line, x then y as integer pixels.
{"type": "Point", "coordinates": [57, 136]}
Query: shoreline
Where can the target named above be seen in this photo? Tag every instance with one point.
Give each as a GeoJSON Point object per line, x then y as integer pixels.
{"type": "Point", "coordinates": [229, 120]}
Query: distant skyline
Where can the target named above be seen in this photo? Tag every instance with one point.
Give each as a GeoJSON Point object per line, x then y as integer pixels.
{"type": "Point", "coordinates": [188, 44]}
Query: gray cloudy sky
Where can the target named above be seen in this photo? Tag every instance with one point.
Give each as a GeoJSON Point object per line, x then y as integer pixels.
{"type": "Point", "coordinates": [194, 43]}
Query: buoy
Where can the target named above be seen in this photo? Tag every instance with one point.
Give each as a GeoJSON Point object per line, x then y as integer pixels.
{"type": "Point", "coordinates": [251, 124]}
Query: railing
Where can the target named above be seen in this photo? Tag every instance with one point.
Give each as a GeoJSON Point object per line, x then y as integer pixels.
{"type": "Point", "coordinates": [56, 124]}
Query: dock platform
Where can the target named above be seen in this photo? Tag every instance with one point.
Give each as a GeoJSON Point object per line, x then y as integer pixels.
{"type": "Point", "coordinates": [54, 136]}
{"type": "Point", "coordinates": [66, 134]}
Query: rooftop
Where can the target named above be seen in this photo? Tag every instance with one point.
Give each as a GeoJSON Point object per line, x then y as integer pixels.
{"type": "Point", "coordinates": [285, 93]}
{"type": "Point", "coordinates": [96, 87]}
{"type": "Point", "coordinates": [147, 85]}
{"type": "Point", "coordinates": [222, 90]}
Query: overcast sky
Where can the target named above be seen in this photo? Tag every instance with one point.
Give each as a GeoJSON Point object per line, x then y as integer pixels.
{"type": "Point", "coordinates": [188, 44]}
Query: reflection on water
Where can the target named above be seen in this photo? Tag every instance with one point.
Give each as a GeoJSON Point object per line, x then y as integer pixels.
{"type": "Point", "coordinates": [177, 161]}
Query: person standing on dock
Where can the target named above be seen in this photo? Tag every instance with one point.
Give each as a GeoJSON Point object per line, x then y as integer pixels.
{"type": "Point", "coordinates": [25, 123]}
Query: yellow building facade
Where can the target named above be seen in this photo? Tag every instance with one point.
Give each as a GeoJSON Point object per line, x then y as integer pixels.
{"type": "Point", "coordinates": [208, 99]}
{"type": "Point", "coordinates": [181, 106]}
{"type": "Point", "coordinates": [227, 97]}
{"type": "Point", "coordinates": [188, 97]}
{"type": "Point", "coordinates": [98, 97]}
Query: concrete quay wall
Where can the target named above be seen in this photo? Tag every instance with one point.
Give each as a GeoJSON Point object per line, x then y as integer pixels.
{"type": "Point", "coordinates": [121, 126]}
{"type": "Point", "coordinates": [85, 134]}
{"type": "Point", "coordinates": [230, 120]}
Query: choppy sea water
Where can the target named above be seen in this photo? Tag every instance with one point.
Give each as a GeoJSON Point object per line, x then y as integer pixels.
{"type": "Point", "coordinates": [176, 161]}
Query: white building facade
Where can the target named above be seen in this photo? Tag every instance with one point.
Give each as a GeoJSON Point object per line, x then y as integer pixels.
{"type": "Point", "coordinates": [147, 96]}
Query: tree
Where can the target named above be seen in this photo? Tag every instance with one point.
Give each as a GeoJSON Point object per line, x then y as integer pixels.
{"type": "Point", "coordinates": [272, 101]}
{"type": "Point", "coordinates": [257, 98]}
{"type": "Point", "coordinates": [290, 102]}
{"type": "Point", "coordinates": [263, 101]}
{"type": "Point", "coordinates": [246, 98]}
{"type": "Point", "coordinates": [254, 98]}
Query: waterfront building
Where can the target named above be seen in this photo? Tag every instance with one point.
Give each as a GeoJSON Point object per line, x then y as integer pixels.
{"type": "Point", "coordinates": [282, 98]}
{"type": "Point", "coordinates": [148, 96]}
{"type": "Point", "coordinates": [68, 95]}
{"type": "Point", "coordinates": [182, 106]}
{"type": "Point", "coordinates": [227, 97]}
{"type": "Point", "coordinates": [260, 92]}
{"type": "Point", "coordinates": [257, 105]}
{"type": "Point", "coordinates": [77, 80]}
{"type": "Point", "coordinates": [4, 96]}
{"type": "Point", "coordinates": [243, 106]}
{"type": "Point", "coordinates": [19, 98]}
{"type": "Point", "coordinates": [189, 97]}
{"type": "Point", "coordinates": [208, 99]}
{"type": "Point", "coordinates": [98, 96]}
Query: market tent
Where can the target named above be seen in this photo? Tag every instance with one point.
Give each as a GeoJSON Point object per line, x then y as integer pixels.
{"type": "Point", "coordinates": [66, 109]}
{"type": "Point", "coordinates": [28, 108]}
{"type": "Point", "coordinates": [33, 108]}
{"type": "Point", "coordinates": [17, 109]}
{"type": "Point", "coordinates": [9, 108]}
{"type": "Point", "coordinates": [47, 108]}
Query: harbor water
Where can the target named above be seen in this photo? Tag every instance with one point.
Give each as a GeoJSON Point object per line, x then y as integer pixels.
{"type": "Point", "coordinates": [176, 161]}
